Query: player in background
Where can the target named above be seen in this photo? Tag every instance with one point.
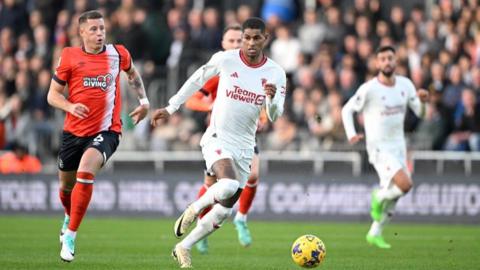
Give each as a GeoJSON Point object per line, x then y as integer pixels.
{"type": "Point", "coordinates": [92, 124]}
{"type": "Point", "coordinates": [203, 101]}
{"type": "Point", "coordinates": [384, 101]}
{"type": "Point", "coordinates": [248, 81]}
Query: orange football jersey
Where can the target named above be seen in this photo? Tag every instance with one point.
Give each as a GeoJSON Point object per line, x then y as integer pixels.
{"type": "Point", "coordinates": [93, 80]}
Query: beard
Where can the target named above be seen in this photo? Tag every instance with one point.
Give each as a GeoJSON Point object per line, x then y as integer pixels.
{"type": "Point", "coordinates": [387, 73]}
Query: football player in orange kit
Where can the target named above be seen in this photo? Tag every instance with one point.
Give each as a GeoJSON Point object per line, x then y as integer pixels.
{"type": "Point", "coordinates": [92, 124]}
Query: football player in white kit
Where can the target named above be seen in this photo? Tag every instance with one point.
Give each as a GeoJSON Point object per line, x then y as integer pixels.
{"type": "Point", "coordinates": [248, 81]}
{"type": "Point", "coordinates": [383, 101]}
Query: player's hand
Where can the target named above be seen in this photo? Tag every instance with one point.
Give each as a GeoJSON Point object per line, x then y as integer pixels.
{"type": "Point", "coordinates": [79, 110]}
{"type": "Point", "coordinates": [423, 95]}
{"type": "Point", "coordinates": [139, 113]}
{"type": "Point", "coordinates": [159, 114]}
{"type": "Point", "coordinates": [270, 89]}
{"type": "Point", "coordinates": [355, 139]}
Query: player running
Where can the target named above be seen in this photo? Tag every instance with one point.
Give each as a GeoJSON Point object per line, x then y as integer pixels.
{"type": "Point", "coordinates": [92, 124]}
{"type": "Point", "coordinates": [383, 101]}
{"type": "Point", "coordinates": [248, 81]}
{"type": "Point", "coordinates": [203, 101]}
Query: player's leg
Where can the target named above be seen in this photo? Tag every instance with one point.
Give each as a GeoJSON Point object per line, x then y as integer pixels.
{"type": "Point", "coordinates": [69, 155]}
{"type": "Point", "coordinates": [394, 183]}
{"type": "Point", "coordinates": [67, 182]}
{"type": "Point", "coordinates": [210, 179]}
{"type": "Point", "coordinates": [225, 187]}
{"type": "Point", "coordinates": [98, 151]}
{"type": "Point", "coordinates": [222, 195]}
{"type": "Point", "coordinates": [245, 202]}
{"type": "Point", "coordinates": [90, 164]}
{"type": "Point", "coordinates": [387, 198]}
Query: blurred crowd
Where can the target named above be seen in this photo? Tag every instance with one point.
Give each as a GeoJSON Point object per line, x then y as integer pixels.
{"type": "Point", "coordinates": [325, 46]}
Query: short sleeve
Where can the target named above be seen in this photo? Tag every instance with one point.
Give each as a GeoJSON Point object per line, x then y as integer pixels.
{"type": "Point", "coordinates": [125, 58]}
{"type": "Point", "coordinates": [63, 70]}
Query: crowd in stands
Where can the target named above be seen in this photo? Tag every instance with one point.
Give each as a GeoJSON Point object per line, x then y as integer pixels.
{"type": "Point", "coordinates": [325, 46]}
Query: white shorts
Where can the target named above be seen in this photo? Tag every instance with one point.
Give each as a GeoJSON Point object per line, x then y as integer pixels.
{"type": "Point", "coordinates": [214, 149]}
{"type": "Point", "coordinates": [387, 161]}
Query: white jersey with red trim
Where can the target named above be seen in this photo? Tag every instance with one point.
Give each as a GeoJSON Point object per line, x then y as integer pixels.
{"type": "Point", "coordinates": [384, 108]}
{"type": "Point", "coordinates": [240, 95]}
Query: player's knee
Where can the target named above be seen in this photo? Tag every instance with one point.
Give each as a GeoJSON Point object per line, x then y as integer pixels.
{"type": "Point", "coordinates": [209, 181]}
{"type": "Point", "coordinates": [67, 186]}
{"type": "Point", "coordinates": [229, 188]}
{"type": "Point", "coordinates": [253, 178]}
{"type": "Point", "coordinates": [407, 186]}
{"type": "Point", "coordinates": [223, 212]}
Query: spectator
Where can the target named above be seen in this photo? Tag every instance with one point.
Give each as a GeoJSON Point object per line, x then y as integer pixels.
{"type": "Point", "coordinates": [13, 15]}
{"type": "Point", "coordinates": [453, 91]}
{"type": "Point", "coordinates": [311, 33]}
{"type": "Point", "coordinates": [283, 136]}
{"type": "Point", "coordinates": [466, 135]}
{"type": "Point", "coordinates": [18, 161]}
{"type": "Point", "coordinates": [285, 43]}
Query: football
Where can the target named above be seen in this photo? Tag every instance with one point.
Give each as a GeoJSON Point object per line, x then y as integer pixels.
{"type": "Point", "coordinates": [308, 251]}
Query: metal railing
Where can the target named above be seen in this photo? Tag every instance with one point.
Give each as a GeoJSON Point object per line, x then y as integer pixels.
{"type": "Point", "coordinates": [318, 158]}
{"type": "Point", "coordinates": [441, 156]}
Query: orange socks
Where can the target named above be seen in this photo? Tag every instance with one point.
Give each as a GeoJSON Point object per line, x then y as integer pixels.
{"type": "Point", "coordinates": [66, 199]}
{"type": "Point", "coordinates": [81, 195]}
{"type": "Point", "coordinates": [246, 198]}
{"type": "Point", "coordinates": [202, 191]}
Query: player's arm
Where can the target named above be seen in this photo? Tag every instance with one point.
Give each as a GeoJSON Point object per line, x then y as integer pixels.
{"type": "Point", "coordinates": [198, 103]}
{"type": "Point", "coordinates": [354, 104]}
{"type": "Point", "coordinates": [56, 99]}
{"type": "Point", "coordinates": [55, 96]}
{"type": "Point", "coordinates": [275, 98]}
{"type": "Point", "coordinates": [136, 84]}
{"type": "Point", "coordinates": [195, 82]}
{"type": "Point", "coordinates": [417, 100]}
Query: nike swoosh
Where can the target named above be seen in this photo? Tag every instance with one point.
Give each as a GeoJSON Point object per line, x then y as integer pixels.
{"type": "Point", "coordinates": [178, 227]}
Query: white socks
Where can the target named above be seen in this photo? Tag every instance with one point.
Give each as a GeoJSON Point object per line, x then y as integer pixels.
{"type": "Point", "coordinates": [390, 193]}
{"type": "Point", "coordinates": [241, 217]}
{"type": "Point", "coordinates": [377, 226]}
{"type": "Point", "coordinates": [71, 233]}
{"type": "Point", "coordinates": [375, 229]}
{"type": "Point", "coordinates": [222, 190]}
{"type": "Point", "coordinates": [205, 226]}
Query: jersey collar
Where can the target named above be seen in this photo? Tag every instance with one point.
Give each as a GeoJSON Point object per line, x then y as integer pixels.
{"type": "Point", "coordinates": [245, 61]}
{"type": "Point", "coordinates": [103, 50]}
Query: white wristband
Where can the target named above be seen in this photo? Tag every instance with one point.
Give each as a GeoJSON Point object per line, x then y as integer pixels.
{"type": "Point", "coordinates": [144, 101]}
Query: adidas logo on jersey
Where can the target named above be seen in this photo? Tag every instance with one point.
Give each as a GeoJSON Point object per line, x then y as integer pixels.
{"type": "Point", "coordinates": [234, 75]}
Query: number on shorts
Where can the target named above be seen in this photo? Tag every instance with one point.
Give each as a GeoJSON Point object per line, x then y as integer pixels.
{"type": "Point", "coordinates": [99, 138]}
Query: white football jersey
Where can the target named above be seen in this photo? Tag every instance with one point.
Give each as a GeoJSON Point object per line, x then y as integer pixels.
{"type": "Point", "coordinates": [240, 95]}
{"type": "Point", "coordinates": [384, 108]}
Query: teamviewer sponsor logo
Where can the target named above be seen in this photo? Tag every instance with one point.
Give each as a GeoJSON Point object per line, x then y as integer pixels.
{"type": "Point", "coordinates": [101, 81]}
{"type": "Point", "coordinates": [245, 96]}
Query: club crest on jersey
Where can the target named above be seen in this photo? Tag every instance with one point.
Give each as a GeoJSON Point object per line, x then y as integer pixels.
{"type": "Point", "coordinates": [264, 81]}
{"type": "Point", "coordinates": [101, 81]}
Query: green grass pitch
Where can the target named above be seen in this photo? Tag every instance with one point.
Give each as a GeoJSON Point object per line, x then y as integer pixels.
{"type": "Point", "coordinates": [135, 243]}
